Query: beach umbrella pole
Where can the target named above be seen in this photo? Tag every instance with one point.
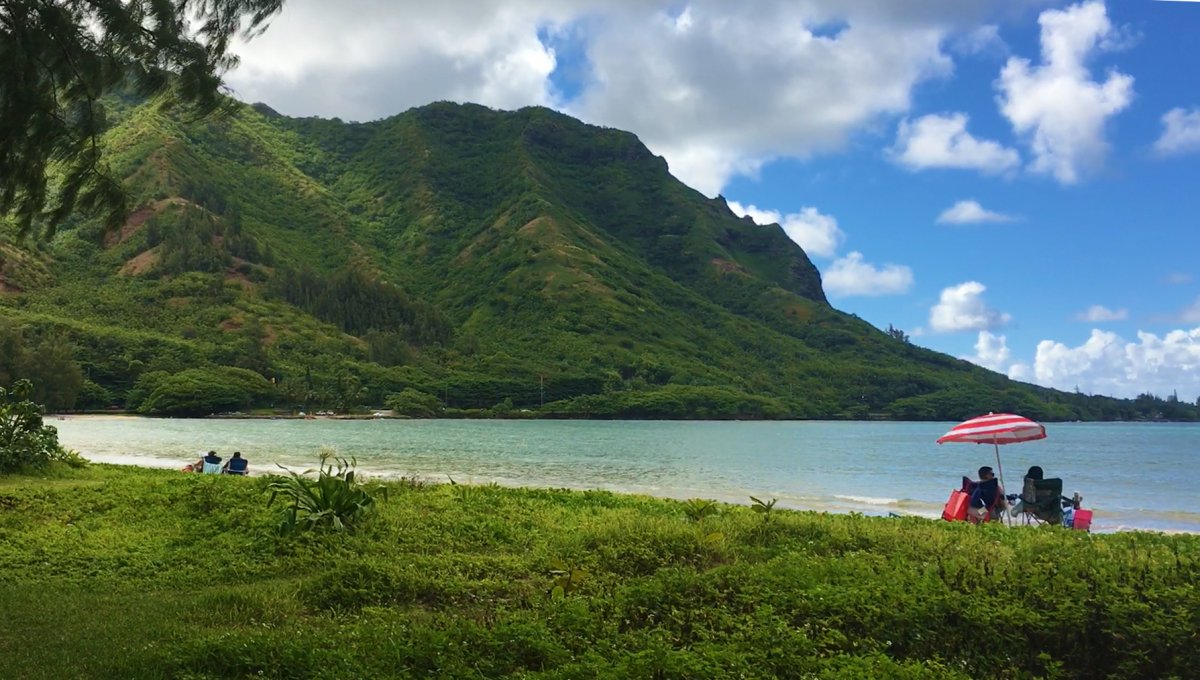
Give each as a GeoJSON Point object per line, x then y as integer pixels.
{"type": "Point", "coordinates": [1000, 469]}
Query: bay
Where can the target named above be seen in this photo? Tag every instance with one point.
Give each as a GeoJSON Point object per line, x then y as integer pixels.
{"type": "Point", "coordinates": [1133, 475]}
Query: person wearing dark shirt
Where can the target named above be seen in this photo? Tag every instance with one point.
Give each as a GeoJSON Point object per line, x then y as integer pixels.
{"type": "Point", "coordinates": [987, 497]}
{"type": "Point", "coordinates": [236, 465]}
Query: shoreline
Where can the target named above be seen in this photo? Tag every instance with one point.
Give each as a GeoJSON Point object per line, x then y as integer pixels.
{"type": "Point", "coordinates": [484, 415]}
{"type": "Point", "coordinates": [872, 469]}
{"type": "Point", "coordinates": [849, 504]}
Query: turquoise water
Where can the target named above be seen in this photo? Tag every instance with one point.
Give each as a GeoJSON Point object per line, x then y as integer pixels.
{"type": "Point", "coordinates": [1134, 475]}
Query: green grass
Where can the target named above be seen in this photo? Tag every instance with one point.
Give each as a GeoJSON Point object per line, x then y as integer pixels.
{"type": "Point", "coordinates": [116, 572]}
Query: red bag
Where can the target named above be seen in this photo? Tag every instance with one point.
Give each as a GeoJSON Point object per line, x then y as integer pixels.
{"type": "Point", "coordinates": [1083, 520]}
{"type": "Point", "coordinates": [956, 507]}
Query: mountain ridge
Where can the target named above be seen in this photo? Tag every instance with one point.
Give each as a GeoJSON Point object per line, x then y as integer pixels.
{"type": "Point", "coordinates": [473, 256]}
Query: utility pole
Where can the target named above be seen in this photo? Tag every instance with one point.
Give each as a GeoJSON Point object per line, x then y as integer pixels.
{"type": "Point", "coordinates": [542, 385]}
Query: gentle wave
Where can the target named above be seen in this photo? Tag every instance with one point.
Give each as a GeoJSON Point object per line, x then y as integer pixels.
{"type": "Point", "coordinates": [870, 500]}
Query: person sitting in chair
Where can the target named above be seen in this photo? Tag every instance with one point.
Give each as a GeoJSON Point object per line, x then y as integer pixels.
{"type": "Point", "coordinates": [210, 464]}
{"type": "Point", "coordinates": [1041, 499]}
{"type": "Point", "coordinates": [987, 497]}
{"type": "Point", "coordinates": [236, 465]}
{"type": "Point", "coordinates": [1026, 498]}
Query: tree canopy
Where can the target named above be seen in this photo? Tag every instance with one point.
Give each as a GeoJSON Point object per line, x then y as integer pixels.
{"type": "Point", "coordinates": [61, 57]}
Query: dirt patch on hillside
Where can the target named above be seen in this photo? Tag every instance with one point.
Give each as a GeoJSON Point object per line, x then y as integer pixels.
{"type": "Point", "coordinates": [142, 262]}
{"type": "Point", "coordinates": [799, 312]}
{"type": "Point", "coordinates": [727, 266]}
{"type": "Point", "coordinates": [138, 219]}
{"type": "Point", "coordinates": [239, 278]}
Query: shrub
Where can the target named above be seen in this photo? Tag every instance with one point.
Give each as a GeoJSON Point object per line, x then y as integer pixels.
{"type": "Point", "coordinates": [24, 440]}
{"type": "Point", "coordinates": [697, 509]}
{"type": "Point", "coordinates": [201, 391]}
{"type": "Point", "coordinates": [410, 402]}
{"type": "Point", "coordinates": [334, 500]}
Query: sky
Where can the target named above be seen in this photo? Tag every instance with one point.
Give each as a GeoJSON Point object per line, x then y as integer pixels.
{"type": "Point", "coordinates": [1012, 182]}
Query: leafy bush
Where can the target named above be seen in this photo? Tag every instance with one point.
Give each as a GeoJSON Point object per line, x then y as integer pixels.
{"type": "Point", "coordinates": [334, 500]}
{"type": "Point", "coordinates": [697, 509]}
{"type": "Point", "coordinates": [565, 579]}
{"type": "Point", "coordinates": [24, 440]}
{"type": "Point", "coordinates": [69, 457]}
{"type": "Point", "coordinates": [672, 401]}
{"type": "Point", "coordinates": [410, 402]}
{"type": "Point", "coordinates": [201, 391]}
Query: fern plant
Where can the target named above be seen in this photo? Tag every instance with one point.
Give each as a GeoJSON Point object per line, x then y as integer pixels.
{"type": "Point", "coordinates": [335, 500]}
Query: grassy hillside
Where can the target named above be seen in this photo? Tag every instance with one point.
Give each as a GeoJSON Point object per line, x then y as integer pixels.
{"type": "Point", "coordinates": [484, 259]}
{"type": "Point", "coordinates": [111, 572]}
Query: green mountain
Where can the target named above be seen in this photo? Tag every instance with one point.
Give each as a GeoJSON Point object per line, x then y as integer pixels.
{"type": "Point", "coordinates": [455, 257]}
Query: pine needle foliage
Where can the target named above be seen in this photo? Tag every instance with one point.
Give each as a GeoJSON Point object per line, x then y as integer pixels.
{"type": "Point", "coordinates": [61, 57]}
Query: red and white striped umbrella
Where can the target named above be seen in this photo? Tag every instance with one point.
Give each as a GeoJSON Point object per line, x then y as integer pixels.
{"type": "Point", "coordinates": [995, 429]}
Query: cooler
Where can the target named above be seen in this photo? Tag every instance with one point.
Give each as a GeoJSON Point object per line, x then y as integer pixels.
{"type": "Point", "coordinates": [956, 507]}
{"type": "Point", "coordinates": [1083, 520]}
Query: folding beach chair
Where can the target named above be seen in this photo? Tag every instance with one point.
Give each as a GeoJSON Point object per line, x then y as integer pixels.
{"type": "Point", "coordinates": [1041, 501]}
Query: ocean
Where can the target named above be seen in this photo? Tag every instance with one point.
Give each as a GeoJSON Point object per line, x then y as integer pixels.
{"type": "Point", "coordinates": [1135, 476]}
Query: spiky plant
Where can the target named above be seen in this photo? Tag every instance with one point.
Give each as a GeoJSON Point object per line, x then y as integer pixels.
{"type": "Point", "coordinates": [334, 500]}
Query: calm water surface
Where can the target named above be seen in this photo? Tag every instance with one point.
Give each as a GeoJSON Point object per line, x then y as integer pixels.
{"type": "Point", "coordinates": [1134, 475]}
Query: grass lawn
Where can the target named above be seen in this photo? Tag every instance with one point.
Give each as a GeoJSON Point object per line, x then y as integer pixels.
{"type": "Point", "coordinates": [112, 572]}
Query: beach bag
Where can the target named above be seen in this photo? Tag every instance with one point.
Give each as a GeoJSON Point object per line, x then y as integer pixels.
{"type": "Point", "coordinates": [956, 507]}
{"type": "Point", "coordinates": [1083, 520]}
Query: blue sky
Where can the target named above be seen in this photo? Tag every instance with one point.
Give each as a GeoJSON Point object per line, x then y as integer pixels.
{"type": "Point", "coordinates": [1010, 182]}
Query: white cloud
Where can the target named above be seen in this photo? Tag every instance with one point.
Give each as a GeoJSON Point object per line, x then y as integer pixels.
{"type": "Point", "coordinates": [1107, 364]}
{"type": "Point", "coordinates": [1181, 132]}
{"type": "Point", "coordinates": [991, 352]}
{"type": "Point", "coordinates": [817, 234]}
{"type": "Point", "coordinates": [1178, 278]}
{"type": "Point", "coordinates": [1057, 106]}
{"type": "Point", "coordinates": [850, 276]}
{"type": "Point", "coordinates": [735, 89]}
{"type": "Point", "coordinates": [937, 141]}
{"type": "Point", "coordinates": [1104, 363]}
{"type": "Point", "coordinates": [961, 308]}
{"type": "Point", "coordinates": [970, 212]}
{"type": "Point", "coordinates": [1191, 314]}
{"type": "Point", "coordinates": [1100, 313]}
{"type": "Point", "coordinates": [717, 90]}
{"type": "Point", "coordinates": [1020, 371]}
{"type": "Point", "coordinates": [981, 40]}
{"type": "Point", "coordinates": [368, 59]}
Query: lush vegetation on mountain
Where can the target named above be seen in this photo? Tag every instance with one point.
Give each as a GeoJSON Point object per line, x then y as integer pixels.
{"type": "Point", "coordinates": [62, 58]}
{"type": "Point", "coordinates": [455, 260]}
{"type": "Point", "coordinates": [127, 573]}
